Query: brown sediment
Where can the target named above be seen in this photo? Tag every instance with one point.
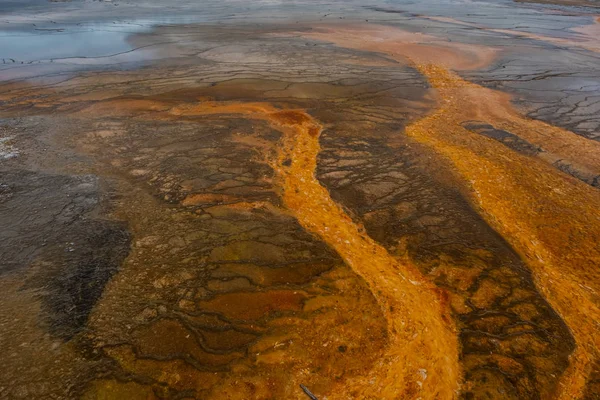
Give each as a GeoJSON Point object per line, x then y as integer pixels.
{"type": "Point", "coordinates": [551, 219]}
{"type": "Point", "coordinates": [422, 356]}
{"type": "Point", "coordinates": [200, 199]}
{"type": "Point", "coordinates": [258, 304]}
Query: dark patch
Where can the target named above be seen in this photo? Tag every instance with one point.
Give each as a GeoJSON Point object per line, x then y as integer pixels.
{"type": "Point", "coordinates": [578, 172]}
{"type": "Point", "coordinates": [5, 192]}
{"type": "Point", "coordinates": [522, 146]}
{"type": "Point", "coordinates": [592, 390]}
{"type": "Point", "coordinates": [36, 210]}
{"type": "Point", "coordinates": [75, 271]}
{"type": "Point", "coordinates": [508, 139]}
{"type": "Point", "coordinates": [48, 234]}
{"type": "Point", "coordinates": [388, 10]}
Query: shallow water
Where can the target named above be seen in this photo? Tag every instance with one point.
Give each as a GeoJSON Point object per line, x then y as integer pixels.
{"type": "Point", "coordinates": [49, 45]}
{"type": "Point", "coordinates": [43, 31]}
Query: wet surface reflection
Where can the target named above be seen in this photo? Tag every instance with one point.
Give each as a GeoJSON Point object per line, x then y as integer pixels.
{"type": "Point", "coordinates": [26, 47]}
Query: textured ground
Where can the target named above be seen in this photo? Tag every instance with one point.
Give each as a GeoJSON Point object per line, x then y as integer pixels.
{"type": "Point", "coordinates": [375, 200]}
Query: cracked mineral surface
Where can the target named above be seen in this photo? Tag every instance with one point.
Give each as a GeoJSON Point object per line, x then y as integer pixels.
{"type": "Point", "coordinates": [229, 200]}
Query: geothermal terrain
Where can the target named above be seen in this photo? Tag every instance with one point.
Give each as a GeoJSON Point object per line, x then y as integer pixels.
{"type": "Point", "coordinates": [283, 199]}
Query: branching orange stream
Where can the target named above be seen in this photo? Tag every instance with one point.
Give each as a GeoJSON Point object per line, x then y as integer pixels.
{"type": "Point", "coordinates": [551, 219]}
{"type": "Point", "coordinates": [421, 360]}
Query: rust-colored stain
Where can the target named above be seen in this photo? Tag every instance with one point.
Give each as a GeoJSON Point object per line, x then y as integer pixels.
{"type": "Point", "coordinates": [254, 305]}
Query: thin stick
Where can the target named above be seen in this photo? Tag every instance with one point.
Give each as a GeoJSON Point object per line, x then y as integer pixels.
{"type": "Point", "coordinates": [308, 392]}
